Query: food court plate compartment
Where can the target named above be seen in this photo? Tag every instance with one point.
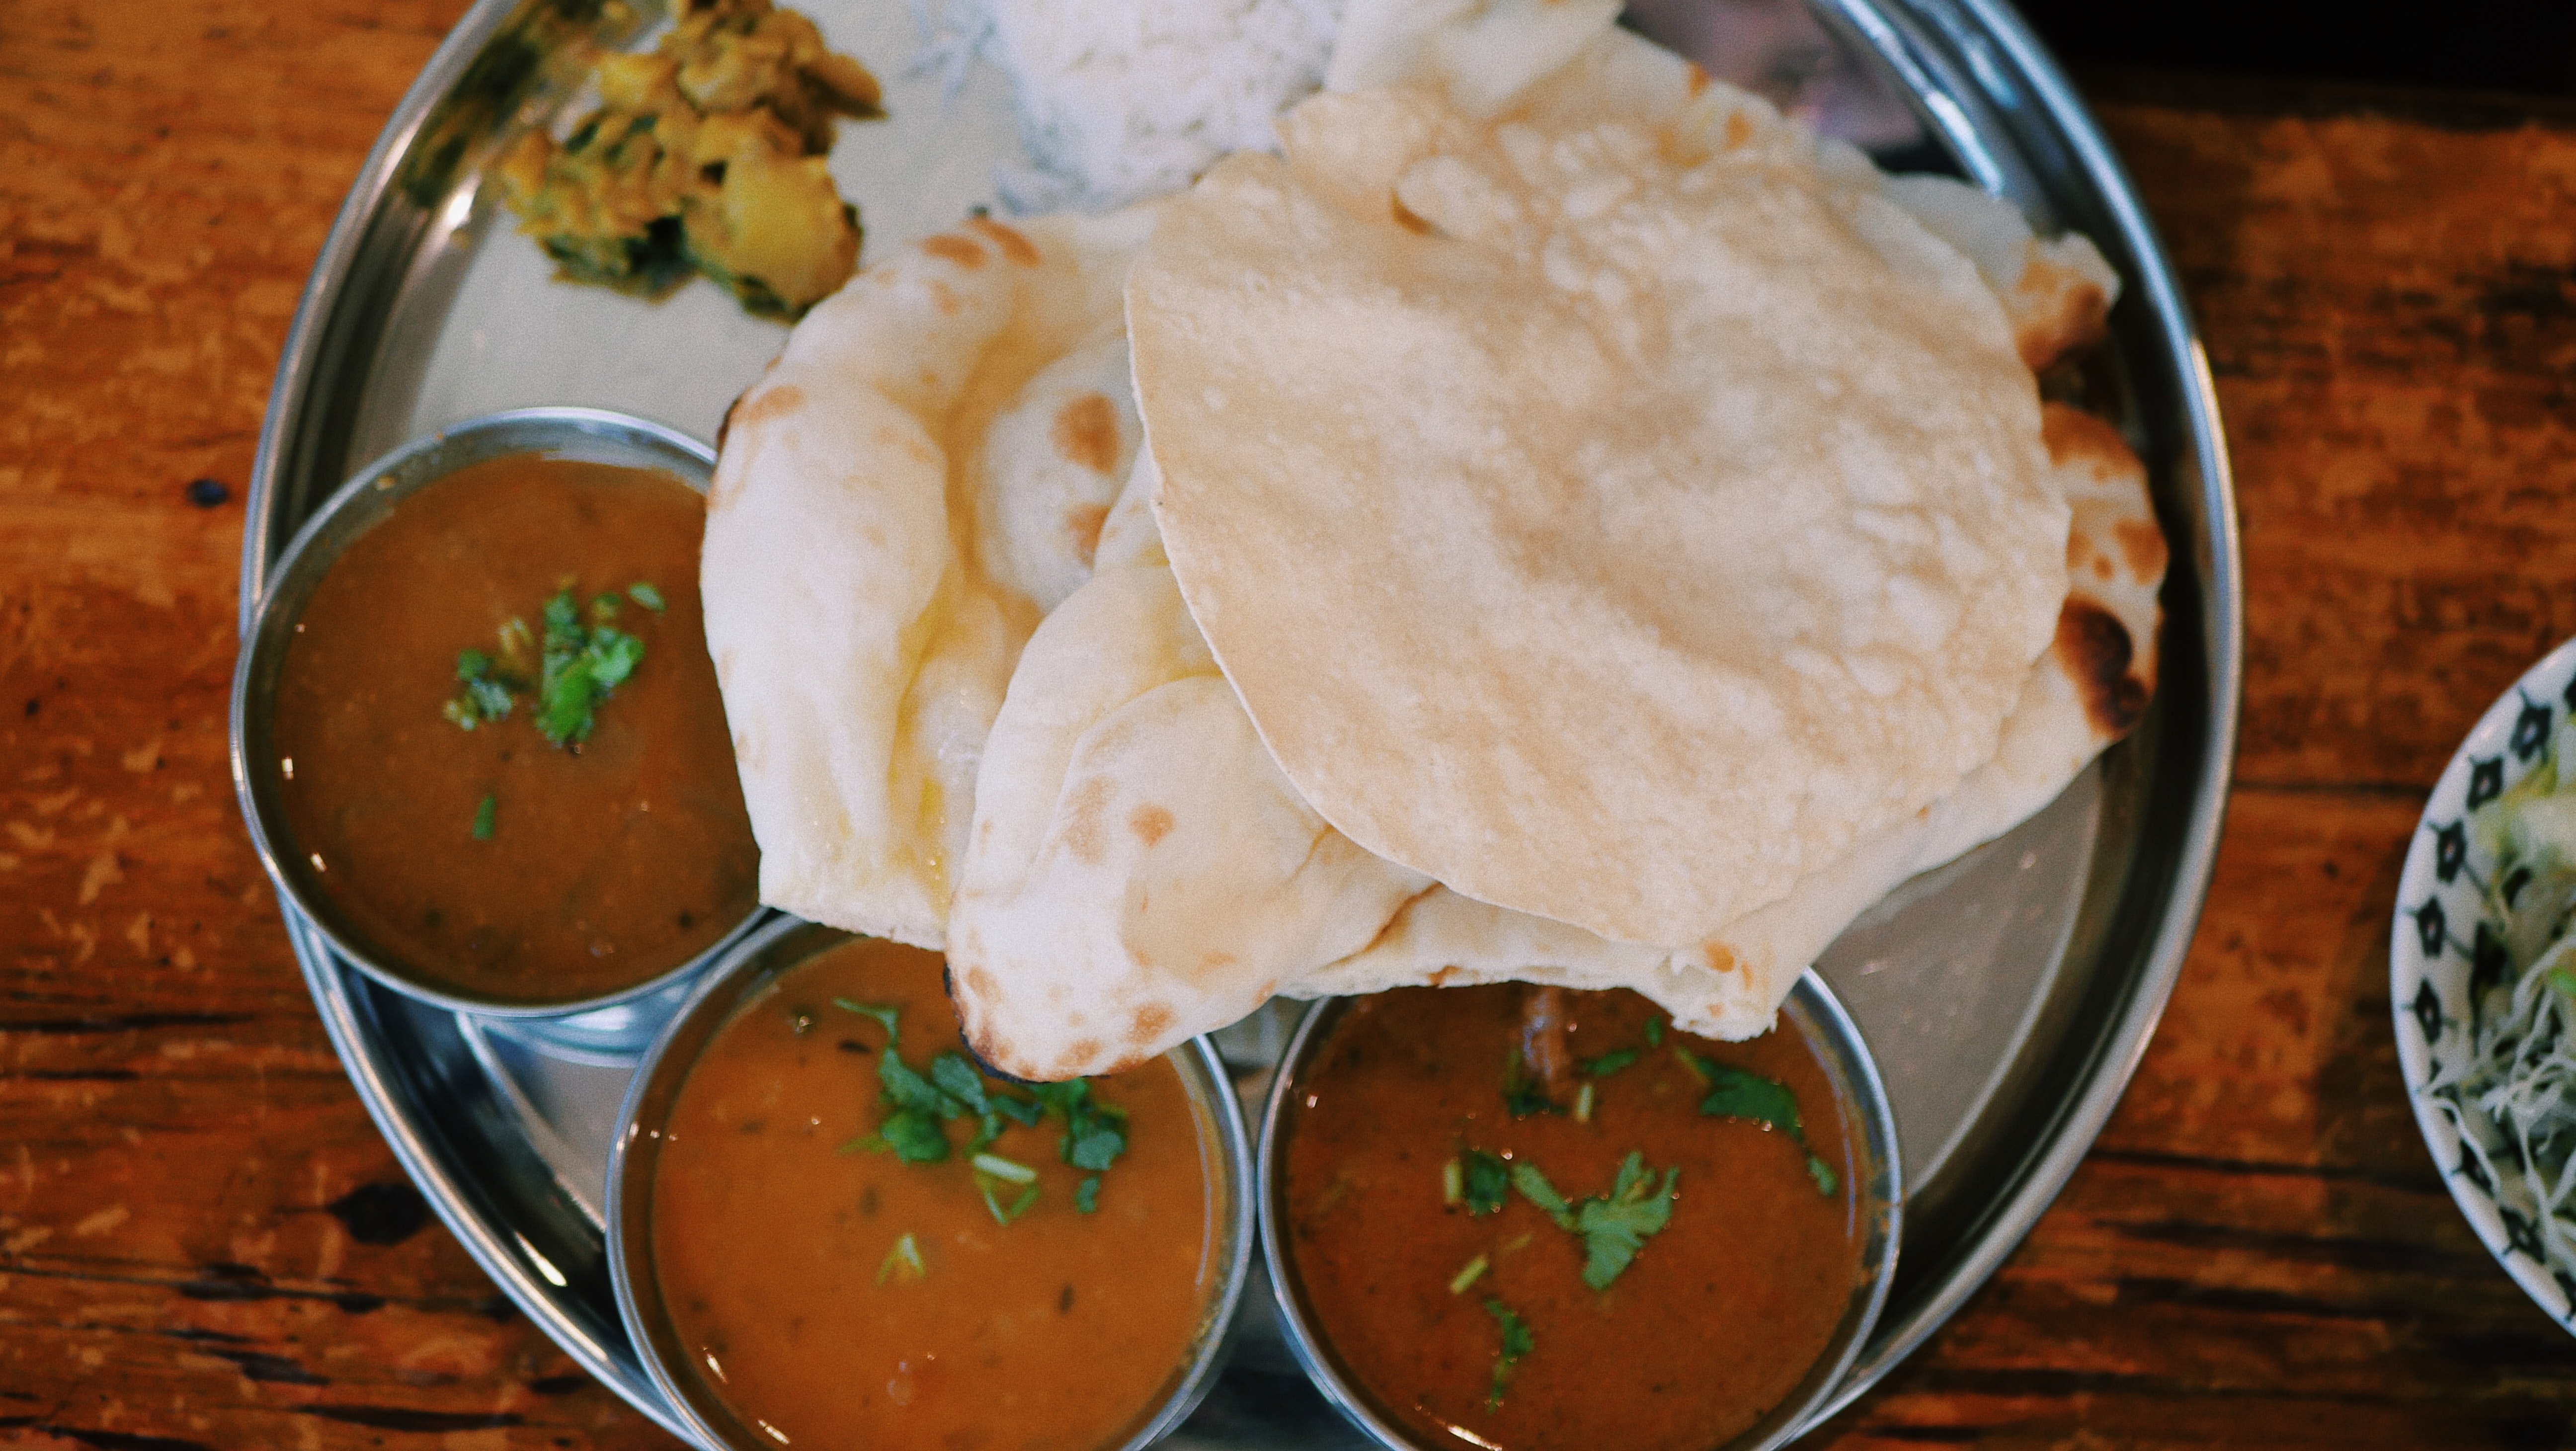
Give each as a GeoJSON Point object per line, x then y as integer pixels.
{"type": "Point", "coordinates": [2007, 996]}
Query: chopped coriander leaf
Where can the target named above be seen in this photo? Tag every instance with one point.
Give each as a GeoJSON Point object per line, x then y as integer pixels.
{"type": "Point", "coordinates": [1734, 1093]}
{"type": "Point", "coordinates": [1007, 1170]}
{"type": "Point", "coordinates": [958, 1079]}
{"type": "Point", "coordinates": [914, 1136]}
{"type": "Point", "coordinates": [1487, 1176]}
{"type": "Point", "coordinates": [1700, 1068]}
{"type": "Point", "coordinates": [884, 1016]}
{"type": "Point", "coordinates": [472, 664]}
{"type": "Point", "coordinates": [904, 1259]}
{"type": "Point", "coordinates": [1609, 1063]}
{"type": "Point", "coordinates": [1086, 1195]}
{"type": "Point", "coordinates": [1453, 1183]}
{"type": "Point", "coordinates": [483, 819]}
{"type": "Point", "coordinates": [1823, 1174]}
{"type": "Point", "coordinates": [1094, 1143]}
{"type": "Point", "coordinates": [1654, 1032]}
{"type": "Point", "coordinates": [1524, 1095]}
{"type": "Point", "coordinates": [1474, 1271]}
{"type": "Point", "coordinates": [1516, 1343]}
{"type": "Point", "coordinates": [1015, 1108]}
{"type": "Point", "coordinates": [604, 608]}
{"type": "Point", "coordinates": [1613, 1227]}
{"type": "Point", "coordinates": [644, 594]}
{"type": "Point", "coordinates": [1535, 1188]}
{"type": "Point", "coordinates": [1027, 1201]}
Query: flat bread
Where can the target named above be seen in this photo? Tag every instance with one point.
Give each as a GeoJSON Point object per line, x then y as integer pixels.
{"type": "Point", "coordinates": [1611, 538]}
{"type": "Point", "coordinates": [923, 470]}
{"type": "Point", "coordinates": [2087, 691]}
{"type": "Point", "coordinates": [1139, 872]}
{"type": "Point", "coordinates": [1142, 871]}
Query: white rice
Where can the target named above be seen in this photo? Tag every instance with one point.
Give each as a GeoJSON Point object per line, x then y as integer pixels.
{"type": "Point", "coordinates": [1120, 100]}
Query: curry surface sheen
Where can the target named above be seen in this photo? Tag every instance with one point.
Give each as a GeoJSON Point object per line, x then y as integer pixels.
{"type": "Point", "coordinates": [1716, 1320]}
{"type": "Point", "coordinates": [606, 866]}
{"type": "Point", "coordinates": [1059, 1330]}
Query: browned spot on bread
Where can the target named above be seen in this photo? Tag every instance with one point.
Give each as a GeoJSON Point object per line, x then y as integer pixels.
{"type": "Point", "coordinates": [2095, 649]}
{"type": "Point", "coordinates": [1086, 432]}
{"type": "Point", "coordinates": [2056, 313]}
{"type": "Point", "coordinates": [951, 247]}
{"type": "Point", "coordinates": [1698, 81]}
{"type": "Point", "coordinates": [2072, 435]}
{"type": "Point", "coordinates": [763, 405]}
{"type": "Point", "coordinates": [2142, 544]}
{"type": "Point", "coordinates": [1078, 1056]}
{"type": "Point", "coordinates": [2102, 568]}
{"type": "Point", "coordinates": [1739, 129]}
{"type": "Point", "coordinates": [1721, 958]}
{"type": "Point", "coordinates": [1082, 525]}
{"type": "Point", "coordinates": [1082, 824]}
{"type": "Point", "coordinates": [980, 983]}
{"type": "Point", "coordinates": [1441, 977]}
{"type": "Point", "coordinates": [1150, 823]}
{"type": "Point", "coordinates": [1013, 245]}
{"type": "Point", "coordinates": [945, 298]}
{"type": "Point", "coordinates": [1152, 1021]}
{"type": "Point", "coordinates": [1407, 218]}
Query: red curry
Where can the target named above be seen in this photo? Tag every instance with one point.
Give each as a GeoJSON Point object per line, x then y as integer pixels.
{"type": "Point", "coordinates": [1718, 1317]}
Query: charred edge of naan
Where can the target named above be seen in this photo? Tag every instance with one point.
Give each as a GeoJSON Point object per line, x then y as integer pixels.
{"type": "Point", "coordinates": [2113, 677]}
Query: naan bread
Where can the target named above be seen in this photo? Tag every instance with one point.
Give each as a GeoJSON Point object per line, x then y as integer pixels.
{"type": "Point", "coordinates": [1139, 870]}
{"type": "Point", "coordinates": [1142, 871]}
{"type": "Point", "coordinates": [1608, 537]}
{"type": "Point", "coordinates": [922, 471]}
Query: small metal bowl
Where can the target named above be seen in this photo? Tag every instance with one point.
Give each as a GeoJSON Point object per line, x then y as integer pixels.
{"type": "Point", "coordinates": [619, 1021]}
{"type": "Point", "coordinates": [1226, 1149]}
{"type": "Point", "coordinates": [1877, 1183]}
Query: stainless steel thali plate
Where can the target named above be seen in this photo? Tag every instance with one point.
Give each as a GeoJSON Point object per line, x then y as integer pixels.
{"type": "Point", "coordinates": [2007, 997]}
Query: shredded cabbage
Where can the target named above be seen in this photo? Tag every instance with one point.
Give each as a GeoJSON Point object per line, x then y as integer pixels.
{"type": "Point", "coordinates": [2513, 1096]}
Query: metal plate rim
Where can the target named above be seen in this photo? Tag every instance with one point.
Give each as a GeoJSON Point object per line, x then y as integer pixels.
{"type": "Point", "coordinates": [2116, 1052]}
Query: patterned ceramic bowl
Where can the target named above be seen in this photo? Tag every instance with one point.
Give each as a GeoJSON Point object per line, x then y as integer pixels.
{"type": "Point", "coordinates": [2446, 960]}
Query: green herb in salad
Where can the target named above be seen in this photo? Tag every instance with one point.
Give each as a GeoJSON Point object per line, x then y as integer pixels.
{"type": "Point", "coordinates": [1516, 1343]}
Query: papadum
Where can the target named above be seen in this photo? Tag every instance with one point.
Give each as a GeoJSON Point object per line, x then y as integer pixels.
{"type": "Point", "coordinates": [1606, 536]}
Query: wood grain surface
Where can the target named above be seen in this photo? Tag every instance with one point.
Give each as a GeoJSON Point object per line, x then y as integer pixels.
{"type": "Point", "coordinates": [204, 1243]}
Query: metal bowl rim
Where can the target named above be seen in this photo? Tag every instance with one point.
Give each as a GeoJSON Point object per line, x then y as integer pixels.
{"type": "Point", "coordinates": [726, 984]}
{"type": "Point", "coordinates": [1841, 1040]}
{"type": "Point", "coordinates": [550, 428]}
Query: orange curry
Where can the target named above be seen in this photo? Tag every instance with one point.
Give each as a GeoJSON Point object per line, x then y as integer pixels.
{"type": "Point", "coordinates": [597, 866]}
{"type": "Point", "coordinates": [780, 1235]}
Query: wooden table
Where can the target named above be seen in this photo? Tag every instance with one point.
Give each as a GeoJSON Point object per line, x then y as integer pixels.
{"type": "Point", "coordinates": [203, 1242]}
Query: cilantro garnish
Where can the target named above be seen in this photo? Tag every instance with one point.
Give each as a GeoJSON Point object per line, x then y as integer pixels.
{"type": "Point", "coordinates": [1734, 1093]}
{"type": "Point", "coordinates": [1516, 1343]}
{"type": "Point", "coordinates": [1612, 1062]}
{"type": "Point", "coordinates": [919, 1106]}
{"type": "Point", "coordinates": [1535, 1188]}
{"type": "Point", "coordinates": [1473, 1271]}
{"type": "Point", "coordinates": [1611, 1226]}
{"type": "Point", "coordinates": [483, 816]}
{"type": "Point", "coordinates": [904, 1259]}
{"type": "Point", "coordinates": [1654, 1032]}
{"type": "Point", "coordinates": [1523, 1094]}
{"type": "Point", "coordinates": [644, 594]}
{"type": "Point", "coordinates": [1483, 1179]}
{"type": "Point", "coordinates": [1614, 1226]}
{"type": "Point", "coordinates": [578, 665]}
